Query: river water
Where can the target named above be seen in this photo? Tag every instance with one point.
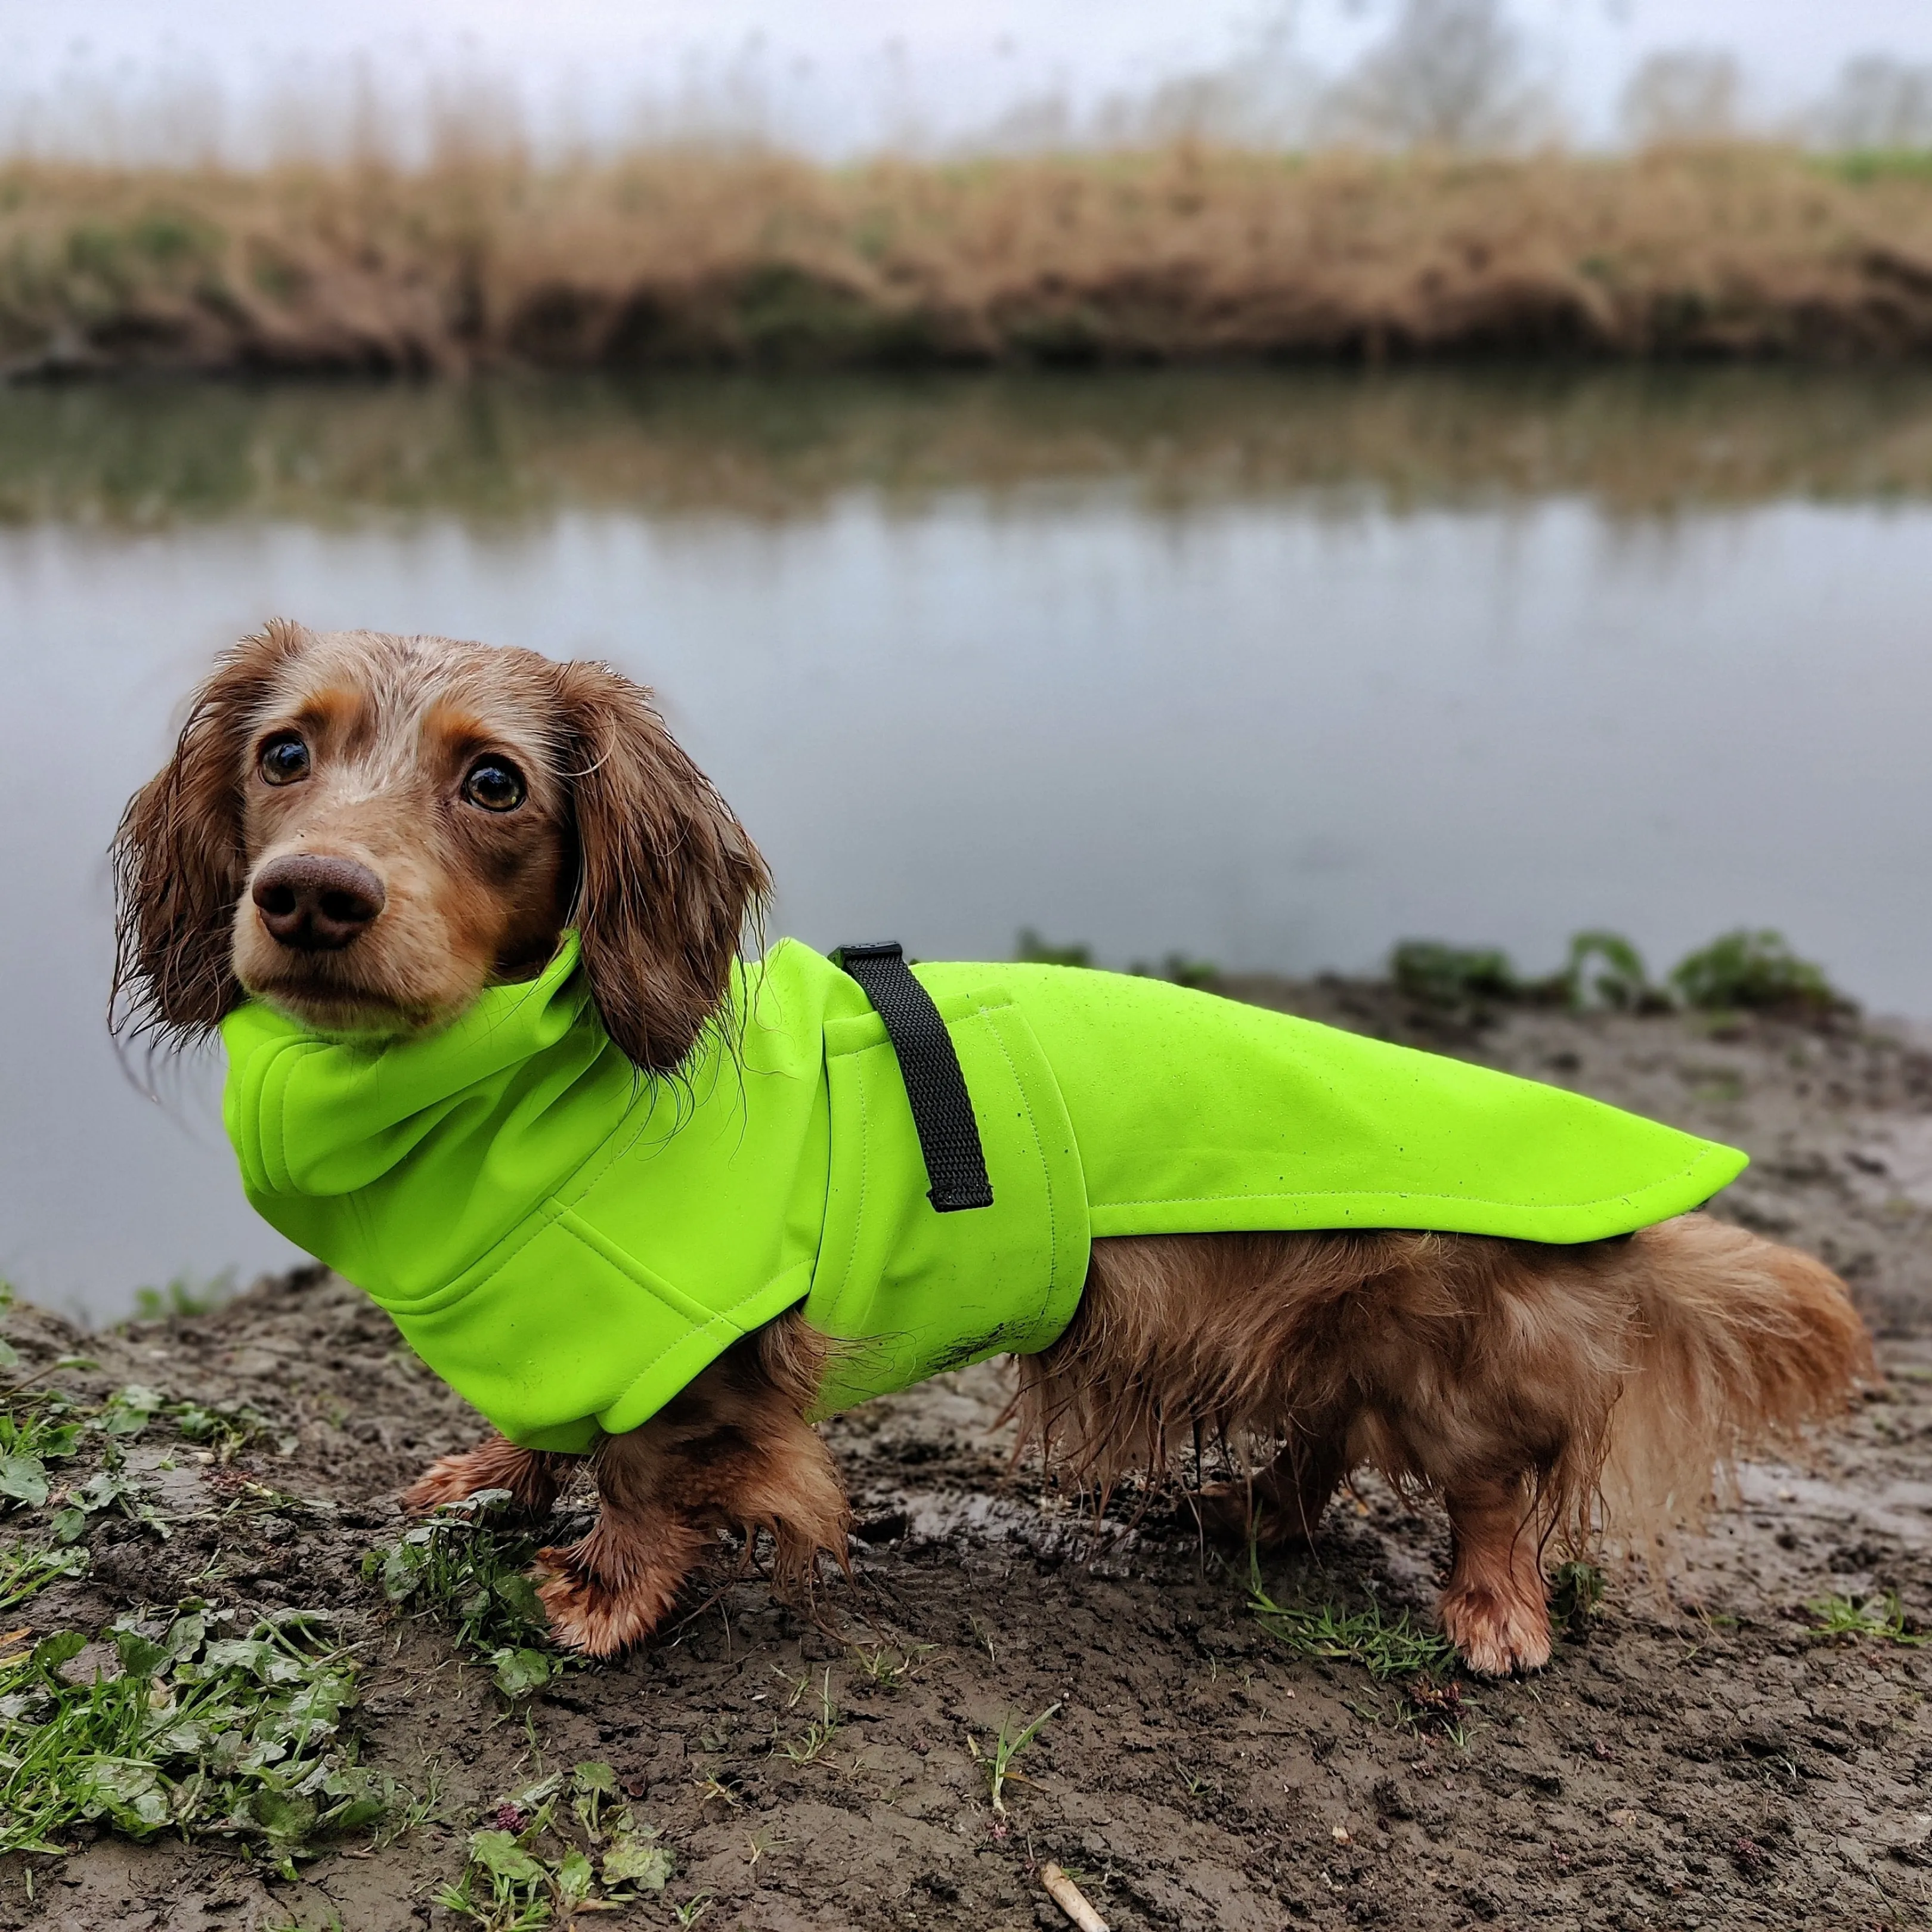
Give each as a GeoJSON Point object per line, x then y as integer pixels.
{"type": "Point", "coordinates": [1268, 670]}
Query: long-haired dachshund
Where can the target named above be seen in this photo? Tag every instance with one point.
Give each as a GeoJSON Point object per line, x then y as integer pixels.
{"type": "Point", "coordinates": [368, 831]}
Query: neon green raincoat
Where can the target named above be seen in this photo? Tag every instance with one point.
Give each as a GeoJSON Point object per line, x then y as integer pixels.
{"type": "Point", "coordinates": [567, 1244]}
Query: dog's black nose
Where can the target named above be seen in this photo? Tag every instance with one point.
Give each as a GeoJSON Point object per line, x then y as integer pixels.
{"type": "Point", "coordinates": [316, 905]}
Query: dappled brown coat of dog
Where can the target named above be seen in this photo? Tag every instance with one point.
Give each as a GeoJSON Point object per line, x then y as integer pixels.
{"type": "Point", "coordinates": [368, 830]}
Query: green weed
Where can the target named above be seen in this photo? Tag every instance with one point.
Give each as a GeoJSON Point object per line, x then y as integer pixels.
{"type": "Point", "coordinates": [1575, 1596]}
{"type": "Point", "coordinates": [1754, 971]}
{"type": "Point", "coordinates": [527, 1869]}
{"type": "Point", "coordinates": [458, 1567]}
{"type": "Point", "coordinates": [886, 1666]}
{"type": "Point", "coordinates": [1881, 1616]}
{"type": "Point", "coordinates": [1605, 970]}
{"type": "Point", "coordinates": [196, 1732]}
{"type": "Point", "coordinates": [1007, 1747]}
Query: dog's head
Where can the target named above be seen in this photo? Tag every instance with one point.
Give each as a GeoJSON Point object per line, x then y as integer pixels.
{"type": "Point", "coordinates": [366, 830]}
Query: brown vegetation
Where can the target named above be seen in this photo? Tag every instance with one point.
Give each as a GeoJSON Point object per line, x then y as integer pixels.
{"type": "Point", "coordinates": [678, 259]}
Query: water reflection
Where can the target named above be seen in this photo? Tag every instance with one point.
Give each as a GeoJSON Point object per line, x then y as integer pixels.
{"type": "Point", "coordinates": [1269, 671]}
{"type": "Point", "coordinates": [1632, 441]}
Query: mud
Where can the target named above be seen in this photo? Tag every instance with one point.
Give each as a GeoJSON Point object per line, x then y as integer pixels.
{"type": "Point", "coordinates": [1711, 1762]}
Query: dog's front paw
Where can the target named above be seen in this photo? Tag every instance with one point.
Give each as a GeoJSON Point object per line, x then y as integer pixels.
{"type": "Point", "coordinates": [531, 1476]}
{"type": "Point", "coordinates": [1497, 1633]}
{"type": "Point", "coordinates": [449, 1479]}
{"type": "Point", "coordinates": [589, 1615]}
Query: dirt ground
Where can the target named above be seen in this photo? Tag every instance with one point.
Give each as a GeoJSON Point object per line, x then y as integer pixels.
{"type": "Point", "coordinates": [1717, 1764]}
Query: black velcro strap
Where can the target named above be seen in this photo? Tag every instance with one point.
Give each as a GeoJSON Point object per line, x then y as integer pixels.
{"type": "Point", "coordinates": [942, 1109]}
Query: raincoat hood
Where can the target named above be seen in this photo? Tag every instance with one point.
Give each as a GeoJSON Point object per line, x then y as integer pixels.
{"type": "Point", "coordinates": [567, 1242]}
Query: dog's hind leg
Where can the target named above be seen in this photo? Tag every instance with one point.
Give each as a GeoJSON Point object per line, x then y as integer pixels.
{"type": "Point", "coordinates": [1284, 1502]}
{"type": "Point", "coordinates": [532, 1476]}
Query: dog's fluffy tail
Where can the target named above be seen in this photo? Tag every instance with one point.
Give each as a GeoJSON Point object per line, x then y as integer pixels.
{"type": "Point", "coordinates": [1739, 1345]}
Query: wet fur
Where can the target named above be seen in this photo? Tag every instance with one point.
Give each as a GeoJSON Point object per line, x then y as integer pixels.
{"type": "Point", "coordinates": [1545, 1395]}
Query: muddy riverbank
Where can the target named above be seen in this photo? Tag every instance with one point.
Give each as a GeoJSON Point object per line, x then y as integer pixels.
{"type": "Point", "coordinates": [1719, 1761]}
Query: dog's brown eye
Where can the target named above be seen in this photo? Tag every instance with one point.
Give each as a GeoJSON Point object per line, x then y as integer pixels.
{"type": "Point", "coordinates": [284, 759]}
{"type": "Point", "coordinates": [494, 783]}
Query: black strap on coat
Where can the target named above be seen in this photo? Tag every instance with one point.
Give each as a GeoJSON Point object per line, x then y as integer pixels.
{"type": "Point", "coordinates": [942, 1109]}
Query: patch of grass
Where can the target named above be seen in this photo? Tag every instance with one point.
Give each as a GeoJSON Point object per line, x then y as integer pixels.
{"type": "Point", "coordinates": [184, 1295]}
{"type": "Point", "coordinates": [1006, 1748]}
{"type": "Point", "coordinates": [205, 1735]}
{"type": "Point", "coordinates": [1882, 1616]}
{"type": "Point", "coordinates": [527, 1867]}
{"type": "Point", "coordinates": [1755, 971]}
{"type": "Point", "coordinates": [1434, 974]}
{"type": "Point", "coordinates": [1388, 1647]}
{"type": "Point", "coordinates": [460, 1568]}
{"type": "Point", "coordinates": [40, 1428]}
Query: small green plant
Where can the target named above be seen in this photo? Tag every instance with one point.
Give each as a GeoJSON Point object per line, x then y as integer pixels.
{"type": "Point", "coordinates": [1576, 1595]}
{"type": "Point", "coordinates": [1031, 949]}
{"type": "Point", "coordinates": [460, 1568]}
{"type": "Point", "coordinates": [1754, 971]}
{"type": "Point", "coordinates": [1881, 1616]}
{"type": "Point", "coordinates": [1006, 1748]}
{"type": "Point", "coordinates": [184, 1295]}
{"type": "Point", "coordinates": [1435, 975]}
{"type": "Point", "coordinates": [815, 1740]}
{"type": "Point", "coordinates": [692, 1910]}
{"type": "Point", "coordinates": [527, 1868]}
{"type": "Point", "coordinates": [886, 1666]}
{"type": "Point", "coordinates": [1605, 970]}
{"type": "Point", "coordinates": [1387, 1647]}
{"type": "Point", "coordinates": [196, 1733]}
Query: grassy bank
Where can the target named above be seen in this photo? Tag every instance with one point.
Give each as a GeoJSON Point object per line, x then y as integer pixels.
{"type": "Point", "coordinates": [669, 259]}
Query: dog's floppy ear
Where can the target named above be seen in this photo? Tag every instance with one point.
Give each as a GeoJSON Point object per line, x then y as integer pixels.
{"type": "Point", "coordinates": [666, 876]}
{"type": "Point", "coordinates": [179, 862]}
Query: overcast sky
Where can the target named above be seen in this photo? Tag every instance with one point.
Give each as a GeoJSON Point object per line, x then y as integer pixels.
{"type": "Point", "coordinates": [846, 67]}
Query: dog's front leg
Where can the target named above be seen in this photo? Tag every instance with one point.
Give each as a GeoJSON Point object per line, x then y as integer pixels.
{"type": "Point", "coordinates": [532, 1476]}
{"type": "Point", "coordinates": [715, 1459]}
{"type": "Point", "coordinates": [1494, 1607]}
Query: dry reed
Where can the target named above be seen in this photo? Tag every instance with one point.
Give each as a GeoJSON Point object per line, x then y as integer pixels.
{"type": "Point", "coordinates": [714, 258]}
